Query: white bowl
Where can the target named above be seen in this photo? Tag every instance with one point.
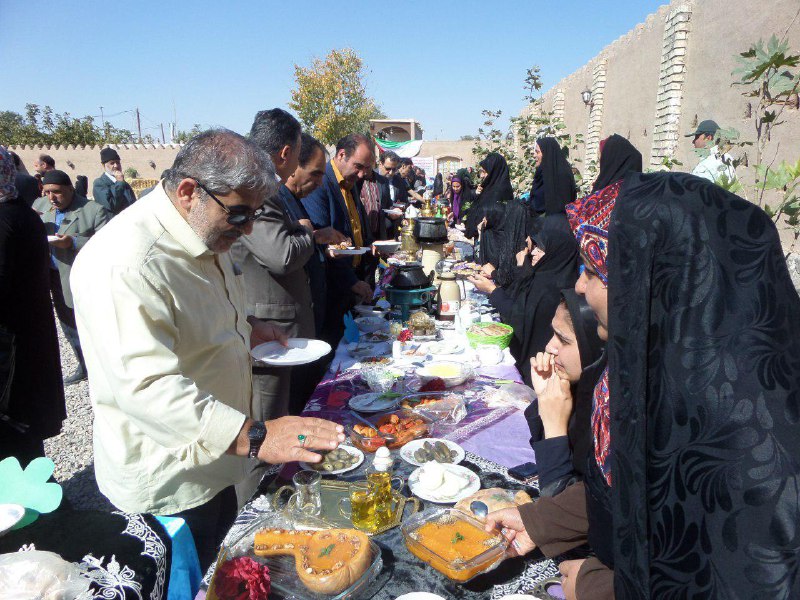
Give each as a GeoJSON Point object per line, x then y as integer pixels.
{"type": "Point", "coordinates": [370, 324]}
{"type": "Point", "coordinates": [429, 371]}
{"type": "Point", "coordinates": [387, 246]}
{"type": "Point", "coordinates": [366, 310]}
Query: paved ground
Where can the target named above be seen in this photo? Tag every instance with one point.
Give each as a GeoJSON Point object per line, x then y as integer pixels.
{"type": "Point", "coordinates": [72, 450]}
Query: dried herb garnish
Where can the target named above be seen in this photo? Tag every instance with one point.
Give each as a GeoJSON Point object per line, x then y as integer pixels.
{"type": "Point", "coordinates": [457, 538]}
{"type": "Point", "coordinates": [326, 550]}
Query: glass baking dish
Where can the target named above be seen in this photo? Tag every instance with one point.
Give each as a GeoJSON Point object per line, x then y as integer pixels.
{"type": "Point", "coordinates": [392, 441]}
{"type": "Point", "coordinates": [453, 543]}
{"type": "Point", "coordinates": [283, 575]}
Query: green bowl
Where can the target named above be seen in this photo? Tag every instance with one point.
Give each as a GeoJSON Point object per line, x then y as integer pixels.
{"type": "Point", "coordinates": [497, 340]}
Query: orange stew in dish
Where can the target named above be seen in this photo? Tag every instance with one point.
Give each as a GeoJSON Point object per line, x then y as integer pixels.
{"type": "Point", "coordinates": [452, 545]}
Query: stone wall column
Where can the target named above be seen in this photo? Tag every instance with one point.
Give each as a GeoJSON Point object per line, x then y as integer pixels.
{"type": "Point", "coordinates": [666, 132]}
{"type": "Point", "coordinates": [596, 112]}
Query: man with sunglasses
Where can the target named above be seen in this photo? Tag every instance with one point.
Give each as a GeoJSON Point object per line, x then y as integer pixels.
{"type": "Point", "coordinates": [162, 316]}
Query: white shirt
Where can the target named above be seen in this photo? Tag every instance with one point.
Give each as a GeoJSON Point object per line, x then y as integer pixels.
{"type": "Point", "coordinates": [164, 332]}
{"type": "Point", "coordinates": [715, 165]}
{"type": "Point", "coordinates": [110, 176]}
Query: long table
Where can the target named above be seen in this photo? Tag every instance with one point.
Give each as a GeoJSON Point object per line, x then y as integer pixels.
{"type": "Point", "coordinates": [494, 438]}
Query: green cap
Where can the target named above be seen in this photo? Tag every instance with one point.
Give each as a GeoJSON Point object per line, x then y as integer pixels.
{"type": "Point", "coordinates": [707, 127]}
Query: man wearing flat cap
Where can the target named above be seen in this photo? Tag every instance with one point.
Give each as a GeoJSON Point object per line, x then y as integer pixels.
{"type": "Point", "coordinates": [70, 220]}
{"type": "Point", "coordinates": [716, 164]}
{"type": "Point", "coordinates": [110, 190]}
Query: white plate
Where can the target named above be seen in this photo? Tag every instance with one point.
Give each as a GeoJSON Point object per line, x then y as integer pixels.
{"type": "Point", "coordinates": [392, 211]}
{"type": "Point", "coordinates": [52, 238]}
{"type": "Point", "coordinates": [376, 337]}
{"type": "Point", "coordinates": [445, 347]}
{"type": "Point", "coordinates": [352, 450]}
{"type": "Point", "coordinates": [373, 403]}
{"type": "Point", "coordinates": [300, 351]}
{"type": "Point", "coordinates": [363, 350]}
{"type": "Point", "coordinates": [419, 596]}
{"type": "Point", "coordinates": [473, 486]}
{"type": "Point", "coordinates": [371, 324]}
{"type": "Point", "coordinates": [10, 515]}
{"type": "Point", "coordinates": [407, 451]}
{"type": "Point", "coordinates": [349, 251]}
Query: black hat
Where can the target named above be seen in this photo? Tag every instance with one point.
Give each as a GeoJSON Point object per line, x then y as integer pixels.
{"type": "Point", "coordinates": [107, 154]}
{"type": "Point", "coordinates": [707, 127]}
{"type": "Point", "coordinates": [57, 178]}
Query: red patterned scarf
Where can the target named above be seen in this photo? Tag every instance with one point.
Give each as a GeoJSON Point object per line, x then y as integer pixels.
{"type": "Point", "coordinates": [589, 219]}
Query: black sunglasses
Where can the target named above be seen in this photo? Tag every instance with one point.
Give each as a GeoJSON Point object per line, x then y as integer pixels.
{"type": "Point", "coordinates": [238, 216]}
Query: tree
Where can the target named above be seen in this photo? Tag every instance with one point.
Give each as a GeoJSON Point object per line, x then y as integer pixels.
{"type": "Point", "coordinates": [518, 145]}
{"type": "Point", "coordinates": [184, 136]}
{"type": "Point", "coordinates": [41, 126]}
{"type": "Point", "coordinates": [331, 99]}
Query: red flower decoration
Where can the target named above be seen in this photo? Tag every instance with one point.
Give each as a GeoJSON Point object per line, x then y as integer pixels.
{"type": "Point", "coordinates": [242, 578]}
{"type": "Point", "coordinates": [405, 336]}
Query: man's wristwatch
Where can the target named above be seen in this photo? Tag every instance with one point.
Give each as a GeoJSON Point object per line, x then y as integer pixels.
{"type": "Point", "coordinates": [256, 435]}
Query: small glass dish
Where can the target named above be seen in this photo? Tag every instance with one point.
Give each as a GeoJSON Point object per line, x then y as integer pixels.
{"type": "Point", "coordinates": [454, 543]}
{"type": "Point", "coordinates": [419, 429]}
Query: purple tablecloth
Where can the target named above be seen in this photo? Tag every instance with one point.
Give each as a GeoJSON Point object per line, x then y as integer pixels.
{"type": "Point", "coordinates": [498, 434]}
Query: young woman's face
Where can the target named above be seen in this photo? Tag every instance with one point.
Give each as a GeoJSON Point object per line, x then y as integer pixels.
{"type": "Point", "coordinates": [537, 154]}
{"type": "Point", "coordinates": [564, 346]}
{"type": "Point", "coordinates": [456, 186]}
{"type": "Point", "coordinates": [592, 287]}
{"type": "Point", "coordinates": [482, 173]}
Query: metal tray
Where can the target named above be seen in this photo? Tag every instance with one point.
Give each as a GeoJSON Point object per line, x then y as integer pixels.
{"type": "Point", "coordinates": [333, 490]}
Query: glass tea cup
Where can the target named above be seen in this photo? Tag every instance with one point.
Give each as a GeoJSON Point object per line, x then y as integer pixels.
{"type": "Point", "coordinates": [306, 497]}
{"type": "Point", "coordinates": [362, 510]}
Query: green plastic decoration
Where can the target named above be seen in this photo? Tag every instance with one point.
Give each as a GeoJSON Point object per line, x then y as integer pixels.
{"type": "Point", "coordinates": [30, 488]}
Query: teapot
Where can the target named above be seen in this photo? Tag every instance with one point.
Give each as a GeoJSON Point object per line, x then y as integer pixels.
{"type": "Point", "coordinates": [450, 295]}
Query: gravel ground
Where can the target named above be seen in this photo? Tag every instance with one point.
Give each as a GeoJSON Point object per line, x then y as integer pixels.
{"type": "Point", "coordinates": [72, 449]}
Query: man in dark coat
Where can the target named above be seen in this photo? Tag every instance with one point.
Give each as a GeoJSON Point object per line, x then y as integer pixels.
{"type": "Point", "coordinates": [336, 203]}
{"type": "Point", "coordinates": [110, 190]}
{"type": "Point", "coordinates": [70, 220]}
{"type": "Point", "coordinates": [35, 406]}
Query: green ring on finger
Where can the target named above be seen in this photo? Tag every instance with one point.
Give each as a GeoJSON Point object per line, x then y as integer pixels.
{"type": "Point", "coordinates": [302, 439]}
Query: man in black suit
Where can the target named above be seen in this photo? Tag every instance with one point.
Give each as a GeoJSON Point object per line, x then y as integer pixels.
{"type": "Point", "coordinates": [110, 190]}
{"type": "Point", "coordinates": [337, 204]}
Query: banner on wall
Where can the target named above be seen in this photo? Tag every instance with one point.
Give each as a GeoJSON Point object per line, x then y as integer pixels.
{"type": "Point", "coordinates": [427, 164]}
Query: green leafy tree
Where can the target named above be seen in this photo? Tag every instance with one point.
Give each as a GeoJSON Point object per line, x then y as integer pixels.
{"type": "Point", "coordinates": [769, 74]}
{"type": "Point", "coordinates": [330, 96]}
{"type": "Point", "coordinates": [41, 126]}
{"type": "Point", "coordinates": [518, 145]}
{"type": "Point", "coordinates": [181, 137]}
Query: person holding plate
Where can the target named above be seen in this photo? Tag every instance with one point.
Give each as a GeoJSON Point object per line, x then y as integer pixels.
{"type": "Point", "coordinates": [162, 315]}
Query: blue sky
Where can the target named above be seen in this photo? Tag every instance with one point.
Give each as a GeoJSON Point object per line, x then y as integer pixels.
{"type": "Point", "coordinates": [440, 62]}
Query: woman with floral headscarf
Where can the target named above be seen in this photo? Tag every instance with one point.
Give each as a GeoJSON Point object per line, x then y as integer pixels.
{"type": "Point", "coordinates": [32, 392]}
{"type": "Point", "coordinates": [696, 464]}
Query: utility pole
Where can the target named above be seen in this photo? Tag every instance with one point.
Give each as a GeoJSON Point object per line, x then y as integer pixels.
{"type": "Point", "coordinates": [163, 139]}
{"type": "Point", "coordinates": [102, 118]}
{"type": "Point", "coordinates": [139, 124]}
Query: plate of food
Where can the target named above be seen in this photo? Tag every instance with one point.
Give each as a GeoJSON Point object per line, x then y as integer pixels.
{"type": "Point", "coordinates": [394, 212]}
{"type": "Point", "coordinates": [466, 269]}
{"type": "Point", "coordinates": [361, 351]}
{"type": "Point", "coordinates": [393, 430]}
{"type": "Point", "coordinates": [298, 351]}
{"type": "Point", "coordinates": [341, 460]}
{"type": "Point", "coordinates": [376, 337]}
{"type": "Point", "coordinates": [371, 324]}
{"type": "Point", "coordinates": [445, 347]}
{"type": "Point", "coordinates": [419, 452]}
{"type": "Point", "coordinates": [442, 483]}
{"type": "Point", "coordinates": [344, 249]}
{"type": "Point", "coordinates": [374, 402]}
